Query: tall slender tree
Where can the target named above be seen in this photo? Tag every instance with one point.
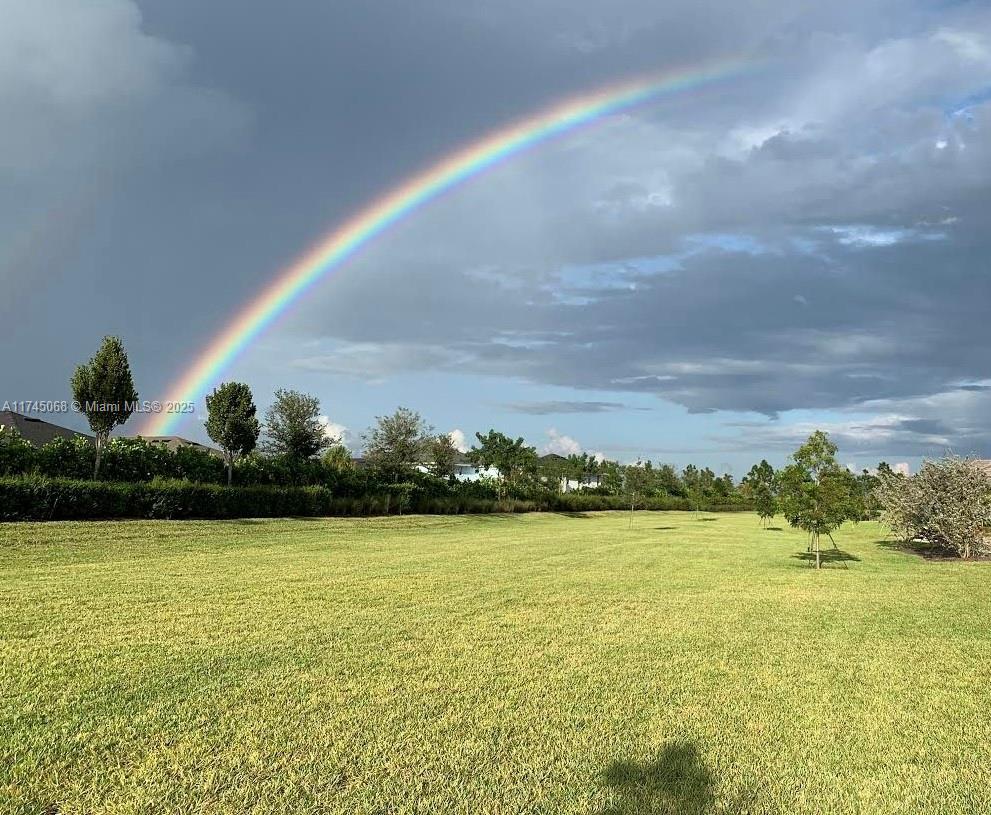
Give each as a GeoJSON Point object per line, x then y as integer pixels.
{"type": "Point", "coordinates": [104, 391]}
{"type": "Point", "coordinates": [762, 484]}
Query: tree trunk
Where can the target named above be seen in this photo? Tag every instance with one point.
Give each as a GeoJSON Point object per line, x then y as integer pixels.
{"type": "Point", "coordinates": [99, 454]}
{"type": "Point", "coordinates": [230, 468]}
{"type": "Point", "coordinates": [815, 545]}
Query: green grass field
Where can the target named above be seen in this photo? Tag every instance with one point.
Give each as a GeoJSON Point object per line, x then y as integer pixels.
{"type": "Point", "coordinates": [493, 664]}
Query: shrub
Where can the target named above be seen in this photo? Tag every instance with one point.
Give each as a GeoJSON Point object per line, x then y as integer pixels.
{"type": "Point", "coordinates": [16, 454]}
{"type": "Point", "coordinates": [947, 504]}
{"type": "Point", "coordinates": [67, 458]}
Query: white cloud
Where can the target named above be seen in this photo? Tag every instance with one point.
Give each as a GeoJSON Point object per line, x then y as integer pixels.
{"type": "Point", "coordinates": [457, 438]}
{"type": "Point", "coordinates": [337, 433]}
{"type": "Point", "coordinates": [561, 444]}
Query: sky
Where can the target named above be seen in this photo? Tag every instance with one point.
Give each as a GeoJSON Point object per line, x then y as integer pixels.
{"type": "Point", "coordinates": [706, 278]}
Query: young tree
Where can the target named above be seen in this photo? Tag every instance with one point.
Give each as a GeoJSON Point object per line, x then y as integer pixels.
{"type": "Point", "coordinates": [443, 456]}
{"type": "Point", "coordinates": [231, 422]}
{"type": "Point", "coordinates": [815, 491]}
{"type": "Point", "coordinates": [293, 427]}
{"type": "Point", "coordinates": [513, 458]}
{"type": "Point", "coordinates": [762, 484]}
{"type": "Point", "coordinates": [397, 442]}
{"type": "Point", "coordinates": [104, 390]}
{"type": "Point", "coordinates": [638, 483]}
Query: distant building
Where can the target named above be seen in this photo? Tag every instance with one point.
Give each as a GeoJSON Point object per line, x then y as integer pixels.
{"type": "Point", "coordinates": [37, 431]}
{"type": "Point", "coordinates": [173, 443]}
{"type": "Point", "coordinates": [588, 481]}
{"type": "Point", "coordinates": [464, 470]}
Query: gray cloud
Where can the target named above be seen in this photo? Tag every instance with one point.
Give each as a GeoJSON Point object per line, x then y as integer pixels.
{"type": "Point", "coordinates": [563, 406]}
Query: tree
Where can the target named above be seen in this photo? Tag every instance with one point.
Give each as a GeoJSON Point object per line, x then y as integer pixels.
{"type": "Point", "coordinates": [293, 427]}
{"type": "Point", "coordinates": [104, 391]}
{"type": "Point", "coordinates": [443, 456]}
{"type": "Point", "coordinates": [815, 492]}
{"type": "Point", "coordinates": [694, 480]}
{"type": "Point", "coordinates": [231, 422]}
{"type": "Point", "coordinates": [638, 482]}
{"type": "Point", "coordinates": [762, 484]}
{"type": "Point", "coordinates": [513, 458]}
{"type": "Point", "coordinates": [397, 442]}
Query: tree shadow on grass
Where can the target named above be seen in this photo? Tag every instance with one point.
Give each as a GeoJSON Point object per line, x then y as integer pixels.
{"type": "Point", "coordinates": [677, 782]}
{"type": "Point", "coordinates": [665, 528]}
{"type": "Point", "coordinates": [707, 520]}
{"type": "Point", "coordinates": [573, 514]}
{"type": "Point", "coordinates": [827, 556]}
{"type": "Point", "coordinates": [774, 529]}
{"type": "Point", "coordinates": [927, 551]}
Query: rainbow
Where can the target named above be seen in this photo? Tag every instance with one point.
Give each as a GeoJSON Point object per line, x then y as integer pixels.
{"type": "Point", "coordinates": [335, 249]}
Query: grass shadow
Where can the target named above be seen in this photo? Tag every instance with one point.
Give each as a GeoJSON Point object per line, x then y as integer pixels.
{"type": "Point", "coordinates": [573, 514]}
{"type": "Point", "coordinates": [665, 528]}
{"type": "Point", "coordinates": [707, 520]}
{"type": "Point", "coordinates": [774, 529]}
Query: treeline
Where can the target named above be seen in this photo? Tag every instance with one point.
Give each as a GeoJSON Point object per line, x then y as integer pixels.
{"type": "Point", "coordinates": [406, 465]}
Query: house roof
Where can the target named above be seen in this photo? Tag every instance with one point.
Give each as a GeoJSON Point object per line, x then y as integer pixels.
{"type": "Point", "coordinates": [175, 442]}
{"type": "Point", "coordinates": [37, 431]}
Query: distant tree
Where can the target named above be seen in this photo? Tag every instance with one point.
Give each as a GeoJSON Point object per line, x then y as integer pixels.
{"type": "Point", "coordinates": [513, 458]}
{"type": "Point", "coordinates": [105, 392]}
{"type": "Point", "coordinates": [293, 427]}
{"type": "Point", "coordinates": [231, 422]}
{"type": "Point", "coordinates": [668, 480]}
{"type": "Point", "coordinates": [397, 442]}
{"type": "Point", "coordinates": [612, 477]}
{"type": "Point", "coordinates": [638, 482]}
{"type": "Point", "coordinates": [693, 480]}
{"type": "Point", "coordinates": [337, 457]}
{"type": "Point", "coordinates": [762, 484]}
{"type": "Point", "coordinates": [815, 492]}
{"type": "Point", "coordinates": [443, 456]}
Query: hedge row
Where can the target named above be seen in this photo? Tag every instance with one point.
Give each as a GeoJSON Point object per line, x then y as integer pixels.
{"type": "Point", "coordinates": [35, 498]}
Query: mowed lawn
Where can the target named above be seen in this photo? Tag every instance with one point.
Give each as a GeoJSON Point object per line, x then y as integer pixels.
{"type": "Point", "coordinates": [532, 663]}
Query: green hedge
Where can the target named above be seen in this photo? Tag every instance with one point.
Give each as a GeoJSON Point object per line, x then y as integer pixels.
{"type": "Point", "coordinates": [33, 498]}
{"type": "Point", "coordinates": [36, 498]}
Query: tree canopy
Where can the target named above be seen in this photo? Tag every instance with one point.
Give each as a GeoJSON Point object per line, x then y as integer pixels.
{"type": "Point", "coordinates": [231, 421]}
{"type": "Point", "coordinates": [293, 427]}
{"type": "Point", "coordinates": [398, 442]}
